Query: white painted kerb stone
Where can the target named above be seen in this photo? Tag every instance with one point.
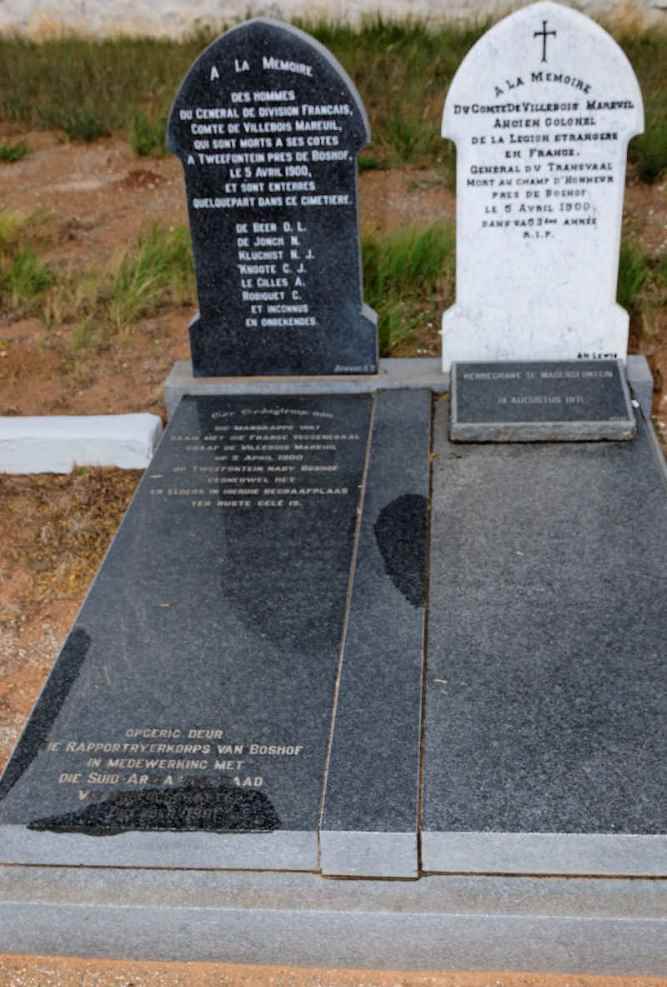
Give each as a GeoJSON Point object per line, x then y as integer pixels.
{"type": "Point", "coordinates": [58, 444]}
{"type": "Point", "coordinates": [541, 111]}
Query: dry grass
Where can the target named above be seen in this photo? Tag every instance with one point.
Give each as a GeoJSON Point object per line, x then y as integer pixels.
{"type": "Point", "coordinates": [403, 68]}
{"type": "Point", "coordinates": [60, 526]}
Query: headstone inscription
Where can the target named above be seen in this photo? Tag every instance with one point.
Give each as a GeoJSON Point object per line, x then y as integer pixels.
{"type": "Point", "coordinates": [557, 401]}
{"type": "Point", "coordinates": [541, 110]}
{"type": "Point", "coordinates": [268, 127]}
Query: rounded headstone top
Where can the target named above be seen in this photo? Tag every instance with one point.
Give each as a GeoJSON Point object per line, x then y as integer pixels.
{"type": "Point", "coordinates": [549, 50]}
{"type": "Point", "coordinates": [254, 55]}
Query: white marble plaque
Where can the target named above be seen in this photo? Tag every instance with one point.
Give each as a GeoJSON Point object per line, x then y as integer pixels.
{"type": "Point", "coordinates": [541, 111]}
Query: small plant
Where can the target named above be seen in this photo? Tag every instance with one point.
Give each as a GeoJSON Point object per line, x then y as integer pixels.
{"type": "Point", "coordinates": [86, 335]}
{"type": "Point", "coordinates": [160, 268]}
{"type": "Point", "coordinates": [12, 225]}
{"type": "Point", "coordinates": [147, 137]}
{"type": "Point", "coordinates": [661, 272]}
{"type": "Point", "coordinates": [366, 162]}
{"type": "Point", "coordinates": [649, 151]}
{"type": "Point", "coordinates": [81, 124]}
{"type": "Point", "coordinates": [633, 270]}
{"type": "Point", "coordinates": [9, 153]}
{"type": "Point", "coordinates": [24, 277]}
{"type": "Point", "coordinates": [411, 139]}
{"type": "Point", "coordinates": [402, 274]}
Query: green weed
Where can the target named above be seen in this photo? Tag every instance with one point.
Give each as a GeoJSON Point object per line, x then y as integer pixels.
{"type": "Point", "coordinates": [404, 277]}
{"type": "Point", "coordinates": [661, 272]}
{"type": "Point", "coordinates": [633, 272]}
{"type": "Point", "coordinates": [158, 270]}
{"type": "Point", "coordinates": [367, 162]}
{"type": "Point", "coordinates": [12, 224]}
{"type": "Point", "coordinates": [79, 124]}
{"type": "Point", "coordinates": [9, 153]}
{"type": "Point", "coordinates": [17, 228]}
{"type": "Point", "coordinates": [649, 151]}
{"type": "Point", "coordinates": [24, 277]}
{"type": "Point", "coordinates": [647, 52]}
{"type": "Point", "coordinates": [146, 136]}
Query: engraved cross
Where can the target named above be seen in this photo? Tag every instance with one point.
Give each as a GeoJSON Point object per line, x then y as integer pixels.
{"type": "Point", "coordinates": [544, 34]}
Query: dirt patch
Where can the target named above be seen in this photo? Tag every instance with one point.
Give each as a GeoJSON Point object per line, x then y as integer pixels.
{"type": "Point", "coordinates": [55, 532]}
{"type": "Point", "coordinates": [49, 972]}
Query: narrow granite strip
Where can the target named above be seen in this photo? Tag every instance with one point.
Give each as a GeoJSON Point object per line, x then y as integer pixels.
{"type": "Point", "coordinates": [369, 823]}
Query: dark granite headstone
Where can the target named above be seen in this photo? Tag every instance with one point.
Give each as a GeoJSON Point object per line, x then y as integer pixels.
{"type": "Point", "coordinates": [186, 722]}
{"type": "Point", "coordinates": [268, 127]}
{"type": "Point", "coordinates": [544, 740]}
{"type": "Point", "coordinates": [556, 401]}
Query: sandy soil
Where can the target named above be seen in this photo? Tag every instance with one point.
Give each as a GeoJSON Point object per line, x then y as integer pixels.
{"type": "Point", "coordinates": [55, 530]}
{"type": "Point", "coordinates": [48, 972]}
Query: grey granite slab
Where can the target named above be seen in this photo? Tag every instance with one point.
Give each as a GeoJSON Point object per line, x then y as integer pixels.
{"type": "Point", "coordinates": [442, 922]}
{"type": "Point", "coordinates": [186, 722]}
{"type": "Point", "coordinates": [545, 748]}
{"type": "Point", "coordinates": [268, 127]}
{"type": "Point", "coordinates": [639, 377]}
{"type": "Point", "coordinates": [395, 373]}
{"type": "Point", "coordinates": [369, 820]}
{"type": "Point", "coordinates": [554, 401]}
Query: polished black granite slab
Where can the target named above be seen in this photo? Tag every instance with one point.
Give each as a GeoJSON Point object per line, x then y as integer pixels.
{"type": "Point", "coordinates": [369, 823]}
{"type": "Point", "coordinates": [187, 720]}
{"type": "Point", "coordinates": [575, 400]}
{"type": "Point", "coordinates": [545, 711]}
{"type": "Point", "coordinates": [268, 127]}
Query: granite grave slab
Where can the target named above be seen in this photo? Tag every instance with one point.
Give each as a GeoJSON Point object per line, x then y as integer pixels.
{"type": "Point", "coordinates": [541, 111]}
{"type": "Point", "coordinates": [566, 401]}
{"type": "Point", "coordinates": [369, 820]}
{"type": "Point", "coordinates": [268, 127]}
{"type": "Point", "coordinates": [544, 742]}
{"type": "Point", "coordinates": [186, 721]}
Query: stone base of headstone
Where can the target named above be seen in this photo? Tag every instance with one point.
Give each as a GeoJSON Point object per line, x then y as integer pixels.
{"type": "Point", "coordinates": [454, 922]}
{"type": "Point", "coordinates": [395, 372]}
{"type": "Point", "coordinates": [410, 373]}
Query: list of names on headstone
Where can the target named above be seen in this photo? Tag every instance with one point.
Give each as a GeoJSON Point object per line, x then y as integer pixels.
{"type": "Point", "coordinates": [268, 126]}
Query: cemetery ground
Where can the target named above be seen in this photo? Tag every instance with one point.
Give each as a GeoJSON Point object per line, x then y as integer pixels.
{"type": "Point", "coordinates": [97, 289]}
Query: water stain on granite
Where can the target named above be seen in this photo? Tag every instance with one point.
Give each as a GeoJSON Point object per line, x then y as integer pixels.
{"type": "Point", "coordinates": [400, 532]}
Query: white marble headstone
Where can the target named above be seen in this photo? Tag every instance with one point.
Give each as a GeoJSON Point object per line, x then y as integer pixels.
{"type": "Point", "coordinates": [541, 111]}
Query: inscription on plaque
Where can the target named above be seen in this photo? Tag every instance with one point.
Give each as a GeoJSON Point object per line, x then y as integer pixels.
{"type": "Point", "coordinates": [575, 400]}
{"type": "Point", "coordinates": [268, 126]}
